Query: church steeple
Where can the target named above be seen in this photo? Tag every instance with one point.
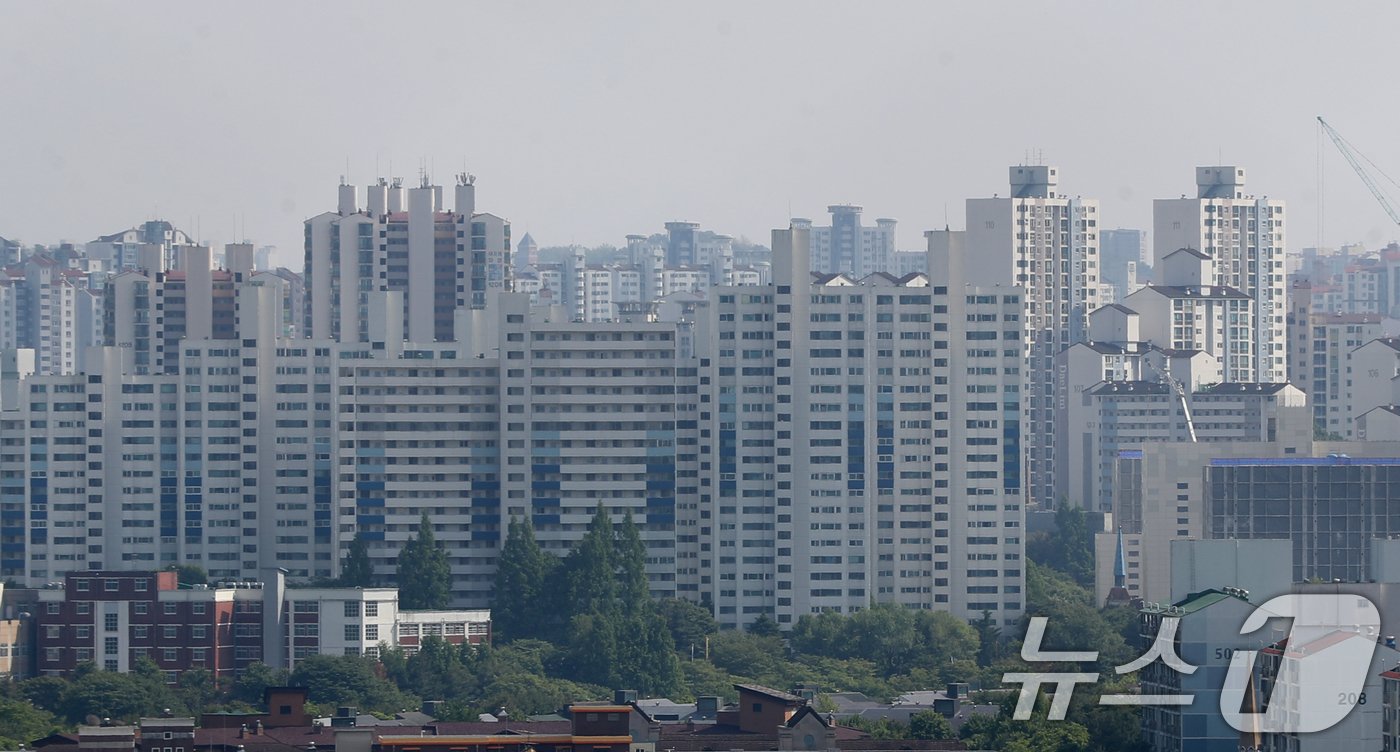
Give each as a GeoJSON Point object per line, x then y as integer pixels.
{"type": "Point", "coordinates": [1120, 564]}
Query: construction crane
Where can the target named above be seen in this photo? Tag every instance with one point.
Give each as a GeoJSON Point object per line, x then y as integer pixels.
{"type": "Point", "coordinates": [1179, 390]}
{"type": "Point", "coordinates": [1355, 158]}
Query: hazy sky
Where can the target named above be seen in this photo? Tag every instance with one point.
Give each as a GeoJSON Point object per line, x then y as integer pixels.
{"type": "Point", "coordinates": [587, 121]}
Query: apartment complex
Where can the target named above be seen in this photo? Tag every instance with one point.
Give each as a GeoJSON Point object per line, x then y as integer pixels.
{"type": "Point", "coordinates": [847, 246]}
{"type": "Point", "coordinates": [226, 464]}
{"type": "Point", "coordinates": [402, 240]}
{"type": "Point", "coordinates": [53, 308]}
{"type": "Point", "coordinates": [860, 441]}
{"type": "Point", "coordinates": [528, 415]}
{"type": "Point", "coordinates": [1046, 243]}
{"type": "Point", "coordinates": [1125, 263]}
{"type": "Point", "coordinates": [1244, 238]}
{"type": "Point", "coordinates": [133, 248]}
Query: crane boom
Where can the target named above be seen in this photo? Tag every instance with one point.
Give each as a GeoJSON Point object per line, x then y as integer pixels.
{"type": "Point", "coordinates": [1350, 155]}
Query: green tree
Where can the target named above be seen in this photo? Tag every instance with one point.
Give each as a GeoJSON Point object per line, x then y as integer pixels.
{"type": "Point", "coordinates": [631, 554]}
{"type": "Point", "coordinates": [254, 680]}
{"type": "Point", "coordinates": [592, 654]}
{"type": "Point", "coordinates": [521, 575]}
{"type": "Point", "coordinates": [1070, 549]}
{"type": "Point", "coordinates": [22, 723]}
{"type": "Point", "coordinates": [198, 690]}
{"type": "Point", "coordinates": [349, 680]}
{"type": "Point", "coordinates": [121, 697]}
{"type": "Point", "coordinates": [879, 728]}
{"type": "Point", "coordinates": [764, 626]}
{"type": "Point", "coordinates": [989, 639]}
{"type": "Point", "coordinates": [748, 655]}
{"type": "Point", "coordinates": [689, 624]}
{"type": "Point", "coordinates": [945, 644]}
{"type": "Point", "coordinates": [44, 692]}
{"type": "Point", "coordinates": [930, 725]}
{"type": "Point", "coordinates": [819, 634]}
{"type": "Point", "coordinates": [355, 569]}
{"type": "Point", "coordinates": [526, 694]}
{"type": "Point", "coordinates": [425, 577]}
{"type": "Point", "coordinates": [189, 574]}
{"type": "Point", "coordinates": [591, 569]}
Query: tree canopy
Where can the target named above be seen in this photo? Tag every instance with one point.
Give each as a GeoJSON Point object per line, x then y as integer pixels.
{"type": "Point", "coordinates": [424, 574]}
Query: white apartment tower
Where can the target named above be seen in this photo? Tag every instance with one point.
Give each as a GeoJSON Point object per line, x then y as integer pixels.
{"type": "Point", "coordinates": [1244, 237]}
{"type": "Point", "coordinates": [1046, 243]}
{"type": "Point", "coordinates": [225, 464]}
{"type": "Point", "coordinates": [861, 442]}
{"type": "Point", "coordinates": [404, 240]}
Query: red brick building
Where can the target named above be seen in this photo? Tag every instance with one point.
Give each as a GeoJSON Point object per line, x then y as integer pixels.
{"type": "Point", "coordinates": [114, 619]}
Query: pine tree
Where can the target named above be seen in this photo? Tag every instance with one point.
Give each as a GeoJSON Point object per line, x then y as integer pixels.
{"type": "Point", "coordinates": [521, 573]}
{"type": "Point", "coordinates": [631, 556]}
{"type": "Point", "coordinates": [591, 576]}
{"type": "Point", "coordinates": [425, 577]}
{"type": "Point", "coordinates": [355, 570]}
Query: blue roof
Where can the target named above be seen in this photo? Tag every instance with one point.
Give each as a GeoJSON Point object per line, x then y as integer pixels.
{"type": "Point", "coordinates": [1304, 461]}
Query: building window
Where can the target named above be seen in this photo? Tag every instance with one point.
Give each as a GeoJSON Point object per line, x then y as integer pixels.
{"type": "Point", "coordinates": [197, 608]}
{"type": "Point", "coordinates": [352, 632]}
{"type": "Point", "coordinates": [371, 609]}
{"type": "Point", "coordinates": [53, 608]}
{"type": "Point", "coordinates": [141, 631]}
{"type": "Point", "coordinates": [198, 632]}
{"type": "Point", "coordinates": [109, 646]}
{"type": "Point", "coordinates": [371, 631]}
{"type": "Point", "coordinates": [83, 608]}
{"type": "Point", "coordinates": [84, 632]}
{"type": "Point", "coordinates": [80, 585]}
{"type": "Point", "coordinates": [352, 609]}
{"type": "Point", "coordinates": [109, 622]}
{"type": "Point", "coordinates": [139, 608]}
{"type": "Point", "coordinates": [170, 633]}
{"type": "Point", "coordinates": [171, 609]}
{"type": "Point", "coordinates": [111, 586]}
{"type": "Point", "coordinates": [170, 655]}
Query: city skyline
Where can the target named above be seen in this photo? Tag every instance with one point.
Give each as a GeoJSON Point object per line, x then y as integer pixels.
{"type": "Point", "coordinates": [599, 150]}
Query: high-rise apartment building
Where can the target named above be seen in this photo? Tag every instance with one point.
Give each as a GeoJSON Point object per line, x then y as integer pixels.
{"type": "Point", "coordinates": [1244, 237]}
{"type": "Point", "coordinates": [850, 247]}
{"type": "Point", "coordinates": [403, 240]}
{"type": "Point", "coordinates": [148, 311]}
{"type": "Point", "coordinates": [1124, 264]}
{"type": "Point", "coordinates": [860, 442]}
{"type": "Point", "coordinates": [132, 248]}
{"type": "Point", "coordinates": [689, 247]}
{"type": "Point", "coordinates": [1047, 243]}
{"type": "Point", "coordinates": [52, 308]}
{"type": "Point", "coordinates": [528, 415]}
{"type": "Point", "coordinates": [225, 464]}
{"type": "Point", "coordinates": [1187, 312]}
